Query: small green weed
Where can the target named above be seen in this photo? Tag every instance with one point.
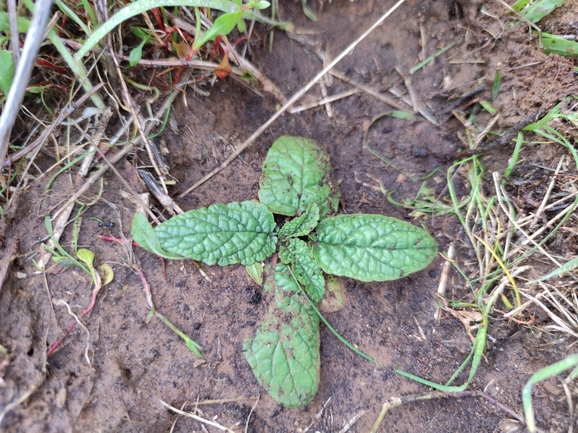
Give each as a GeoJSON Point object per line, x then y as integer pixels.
{"type": "Point", "coordinates": [296, 181]}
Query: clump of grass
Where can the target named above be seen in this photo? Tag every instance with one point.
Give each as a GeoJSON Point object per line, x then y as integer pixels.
{"type": "Point", "coordinates": [507, 242]}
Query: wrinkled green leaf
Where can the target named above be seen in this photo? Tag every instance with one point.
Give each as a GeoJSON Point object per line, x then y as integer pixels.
{"type": "Point", "coordinates": [539, 9]}
{"type": "Point", "coordinates": [255, 271]}
{"type": "Point", "coordinates": [371, 247]}
{"type": "Point", "coordinates": [284, 354]}
{"type": "Point", "coordinates": [6, 71]}
{"type": "Point", "coordinates": [223, 234]}
{"type": "Point", "coordinates": [144, 234]}
{"type": "Point", "coordinates": [301, 226]}
{"type": "Point", "coordinates": [556, 45]}
{"type": "Point", "coordinates": [298, 253]}
{"type": "Point", "coordinates": [297, 172]}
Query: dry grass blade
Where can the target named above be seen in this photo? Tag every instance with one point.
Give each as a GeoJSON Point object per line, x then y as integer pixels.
{"type": "Point", "coordinates": [44, 136]}
{"type": "Point", "coordinates": [325, 101]}
{"type": "Point", "coordinates": [198, 418]}
{"type": "Point", "coordinates": [383, 98]}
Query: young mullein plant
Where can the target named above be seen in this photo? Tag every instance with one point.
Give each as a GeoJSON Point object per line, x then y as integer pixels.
{"type": "Point", "coordinates": [296, 182]}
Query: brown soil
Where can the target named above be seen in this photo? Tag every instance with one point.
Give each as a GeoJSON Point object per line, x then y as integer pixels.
{"type": "Point", "coordinates": [134, 364]}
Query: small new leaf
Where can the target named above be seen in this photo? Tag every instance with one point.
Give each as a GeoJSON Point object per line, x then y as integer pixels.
{"type": "Point", "coordinates": [297, 172]}
{"type": "Point", "coordinates": [255, 271]}
{"type": "Point", "coordinates": [301, 226]}
{"type": "Point", "coordinates": [223, 234]}
{"type": "Point", "coordinates": [284, 354]}
{"type": "Point", "coordinates": [223, 25]}
{"type": "Point", "coordinates": [298, 253]}
{"type": "Point", "coordinates": [371, 247]}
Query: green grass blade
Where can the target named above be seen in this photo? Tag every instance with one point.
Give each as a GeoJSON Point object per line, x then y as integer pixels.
{"type": "Point", "coordinates": [72, 15]}
{"type": "Point", "coordinates": [191, 344]}
{"type": "Point", "coordinates": [556, 45]}
{"type": "Point", "coordinates": [515, 155]}
{"type": "Point", "coordinates": [539, 9]}
{"type": "Point", "coordinates": [430, 58]}
{"type": "Point", "coordinates": [567, 267]}
{"type": "Point", "coordinates": [550, 371]}
{"type": "Point", "coordinates": [496, 85]}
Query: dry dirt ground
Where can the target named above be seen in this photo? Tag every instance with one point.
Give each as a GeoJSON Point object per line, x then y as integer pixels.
{"type": "Point", "coordinates": [134, 364]}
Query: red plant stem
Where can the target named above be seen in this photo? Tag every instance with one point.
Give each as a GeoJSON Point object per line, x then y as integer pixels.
{"type": "Point", "coordinates": [159, 18]}
{"type": "Point", "coordinates": [146, 287]}
{"type": "Point", "coordinates": [113, 239]}
{"type": "Point", "coordinates": [87, 310]}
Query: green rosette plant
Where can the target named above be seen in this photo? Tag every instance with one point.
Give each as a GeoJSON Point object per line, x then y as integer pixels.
{"type": "Point", "coordinates": [296, 181]}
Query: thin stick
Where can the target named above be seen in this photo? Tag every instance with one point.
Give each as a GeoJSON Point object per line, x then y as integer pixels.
{"type": "Point", "coordinates": [415, 101]}
{"type": "Point", "coordinates": [394, 402]}
{"type": "Point", "coordinates": [198, 418]}
{"type": "Point", "coordinates": [251, 413]}
{"type": "Point", "coordinates": [137, 122]}
{"type": "Point", "coordinates": [540, 210]}
{"type": "Point", "coordinates": [14, 35]}
{"type": "Point", "coordinates": [325, 95]}
{"type": "Point", "coordinates": [444, 281]}
{"type": "Point", "coordinates": [15, 96]}
{"type": "Point", "coordinates": [368, 90]}
{"type": "Point", "coordinates": [352, 421]}
{"type": "Point", "coordinates": [485, 131]}
{"type": "Point", "coordinates": [224, 400]}
{"type": "Point", "coordinates": [324, 101]}
{"type": "Point", "coordinates": [292, 100]}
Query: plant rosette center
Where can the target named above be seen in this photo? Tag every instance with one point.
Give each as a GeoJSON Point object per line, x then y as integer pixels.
{"type": "Point", "coordinates": [296, 182]}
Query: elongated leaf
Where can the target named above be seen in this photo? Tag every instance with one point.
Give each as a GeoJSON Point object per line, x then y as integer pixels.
{"type": "Point", "coordinates": [556, 45]}
{"type": "Point", "coordinates": [144, 234]}
{"type": "Point", "coordinates": [135, 55]}
{"type": "Point", "coordinates": [297, 172]}
{"type": "Point", "coordinates": [371, 247]}
{"type": "Point", "coordinates": [6, 71]}
{"type": "Point", "coordinates": [539, 9]}
{"type": "Point", "coordinates": [284, 354]}
{"type": "Point", "coordinates": [223, 234]}
{"type": "Point", "coordinates": [301, 226]}
{"type": "Point", "coordinates": [566, 267]}
{"type": "Point", "coordinates": [223, 26]}
{"type": "Point", "coordinates": [299, 255]}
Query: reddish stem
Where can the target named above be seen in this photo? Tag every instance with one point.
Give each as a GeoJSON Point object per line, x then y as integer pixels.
{"type": "Point", "coordinates": [87, 310]}
{"type": "Point", "coordinates": [113, 239]}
